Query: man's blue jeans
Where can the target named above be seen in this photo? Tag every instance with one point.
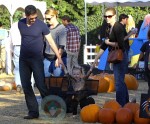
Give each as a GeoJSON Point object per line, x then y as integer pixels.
{"type": "Point", "coordinates": [26, 67]}
{"type": "Point", "coordinates": [122, 96]}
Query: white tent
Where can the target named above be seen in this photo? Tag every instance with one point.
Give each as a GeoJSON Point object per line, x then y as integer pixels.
{"type": "Point", "coordinates": [13, 5]}
{"type": "Point", "coordinates": [113, 3]}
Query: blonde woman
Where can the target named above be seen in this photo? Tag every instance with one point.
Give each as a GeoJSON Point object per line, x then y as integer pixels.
{"type": "Point", "coordinates": [130, 24]}
{"type": "Point", "coordinates": [116, 37]}
{"type": "Point", "coordinates": [59, 35]}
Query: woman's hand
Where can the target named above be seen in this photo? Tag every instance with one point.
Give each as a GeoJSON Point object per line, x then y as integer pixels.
{"type": "Point", "coordinates": [107, 41]}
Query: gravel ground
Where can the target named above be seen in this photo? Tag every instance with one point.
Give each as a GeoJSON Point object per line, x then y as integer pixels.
{"type": "Point", "coordinates": [13, 107]}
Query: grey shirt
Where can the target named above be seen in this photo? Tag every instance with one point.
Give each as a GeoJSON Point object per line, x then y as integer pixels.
{"type": "Point", "coordinates": [60, 37]}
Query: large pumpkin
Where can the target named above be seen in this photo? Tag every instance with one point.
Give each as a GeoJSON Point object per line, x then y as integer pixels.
{"type": "Point", "coordinates": [131, 82]}
{"type": "Point", "coordinates": [6, 87]}
{"type": "Point", "coordinates": [132, 106]}
{"type": "Point", "coordinates": [138, 120]}
{"type": "Point", "coordinates": [103, 84]}
{"type": "Point", "coordinates": [135, 83]}
{"type": "Point", "coordinates": [107, 116]}
{"type": "Point", "coordinates": [124, 116]}
{"type": "Point", "coordinates": [113, 104]}
{"type": "Point", "coordinates": [90, 113]}
{"type": "Point", "coordinates": [110, 79]}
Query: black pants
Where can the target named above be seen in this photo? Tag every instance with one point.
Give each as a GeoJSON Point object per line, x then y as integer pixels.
{"type": "Point", "coordinates": [72, 104]}
{"type": "Point", "coordinates": [26, 67]}
{"type": "Point", "coordinates": [147, 74]}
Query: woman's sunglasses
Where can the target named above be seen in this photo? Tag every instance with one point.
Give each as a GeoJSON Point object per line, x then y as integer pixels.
{"type": "Point", "coordinates": [48, 19]}
{"type": "Point", "coordinates": [109, 16]}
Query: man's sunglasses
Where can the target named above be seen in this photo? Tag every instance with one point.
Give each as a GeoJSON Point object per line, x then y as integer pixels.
{"type": "Point", "coordinates": [109, 16]}
{"type": "Point", "coordinates": [33, 18]}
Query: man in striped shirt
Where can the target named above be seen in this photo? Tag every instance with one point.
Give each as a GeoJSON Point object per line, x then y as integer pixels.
{"type": "Point", "coordinates": [73, 43]}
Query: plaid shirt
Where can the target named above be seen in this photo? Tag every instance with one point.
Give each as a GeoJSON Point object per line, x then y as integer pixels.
{"type": "Point", "coordinates": [73, 38]}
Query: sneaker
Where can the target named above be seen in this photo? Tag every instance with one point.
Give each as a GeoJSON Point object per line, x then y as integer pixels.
{"type": "Point", "coordinates": [30, 117]}
{"type": "Point", "coordinates": [75, 116]}
{"type": "Point", "coordinates": [133, 100]}
{"type": "Point", "coordinates": [19, 89]}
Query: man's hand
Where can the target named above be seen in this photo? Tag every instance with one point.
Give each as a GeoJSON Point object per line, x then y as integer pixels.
{"type": "Point", "coordinates": [60, 63]}
{"type": "Point", "coordinates": [56, 63]}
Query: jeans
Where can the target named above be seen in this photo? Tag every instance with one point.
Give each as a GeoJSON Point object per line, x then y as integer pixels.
{"type": "Point", "coordinates": [72, 60]}
{"type": "Point", "coordinates": [50, 69]}
{"type": "Point", "coordinates": [122, 96]}
{"type": "Point", "coordinates": [26, 67]}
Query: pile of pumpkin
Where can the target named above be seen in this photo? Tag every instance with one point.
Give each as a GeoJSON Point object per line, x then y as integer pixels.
{"type": "Point", "coordinates": [107, 82]}
{"type": "Point", "coordinates": [113, 113]}
{"type": "Point", "coordinates": [7, 86]}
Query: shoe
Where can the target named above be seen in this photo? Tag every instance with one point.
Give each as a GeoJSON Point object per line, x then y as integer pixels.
{"type": "Point", "coordinates": [75, 116]}
{"type": "Point", "coordinates": [133, 100]}
{"type": "Point", "coordinates": [30, 117]}
{"type": "Point", "coordinates": [19, 89]}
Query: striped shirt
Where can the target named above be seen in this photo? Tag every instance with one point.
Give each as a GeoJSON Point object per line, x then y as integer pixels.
{"type": "Point", "coordinates": [73, 38]}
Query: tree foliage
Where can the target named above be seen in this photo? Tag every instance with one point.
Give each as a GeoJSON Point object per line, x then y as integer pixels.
{"type": "Point", "coordinates": [75, 9]}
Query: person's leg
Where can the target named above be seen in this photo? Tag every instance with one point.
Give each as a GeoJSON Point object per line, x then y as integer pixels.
{"type": "Point", "coordinates": [122, 96]}
{"type": "Point", "coordinates": [74, 106]}
{"type": "Point", "coordinates": [74, 59]}
{"type": "Point", "coordinates": [16, 68]}
{"type": "Point", "coordinates": [46, 67]}
{"type": "Point", "coordinates": [38, 74]}
{"type": "Point", "coordinates": [69, 63]}
{"type": "Point", "coordinates": [25, 76]}
{"type": "Point", "coordinates": [3, 58]}
{"type": "Point", "coordinates": [16, 64]}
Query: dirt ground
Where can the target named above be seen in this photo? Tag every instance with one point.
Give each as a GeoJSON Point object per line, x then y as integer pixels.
{"type": "Point", "coordinates": [13, 106]}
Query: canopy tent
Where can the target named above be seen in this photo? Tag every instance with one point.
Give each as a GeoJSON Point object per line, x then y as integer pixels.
{"type": "Point", "coordinates": [13, 5]}
{"type": "Point", "coordinates": [113, 3]}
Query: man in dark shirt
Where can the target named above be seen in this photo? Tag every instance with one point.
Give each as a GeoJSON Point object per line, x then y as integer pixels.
{"type": "Point", "coordinates": [32, 32]}
{"type": "Point", "coordinates": [145, 50]}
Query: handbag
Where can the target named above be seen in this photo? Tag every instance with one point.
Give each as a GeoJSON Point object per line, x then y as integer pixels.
{"type": "Point", "coordinates": [115, 55]}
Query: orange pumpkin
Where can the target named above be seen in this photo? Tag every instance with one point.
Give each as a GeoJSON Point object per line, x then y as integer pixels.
{"type": "Point", "coordinates": [103, 84]}
{"type": "Point", "coordinates": [113, 104]}
{"type": "Point", "coordinates": [138, 120]}
{"type": "Point", "coordinates": [132, 106]}
{"type": "Point", "coordinates": [6, 87]}
{"type": "Point", "coordinates": [131, 82]}
{"type": "Point", "coordinates": [14, 87]}
{"type": "Point", "coordinates": [107, 116]}
{"type": "Point", "coordinates": [135, 82]}
{"type": "Point", "coordinates": [90, 113]}
{"type": "Point", "coordinates": [124, 116]}
{"type": "Point", "coordinates": [111, 81]}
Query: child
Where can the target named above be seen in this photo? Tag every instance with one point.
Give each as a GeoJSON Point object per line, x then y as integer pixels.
{"type": "Point", "coordinates": [145, 50]}
{"type": "Point", "coordinates": [77, 93]}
